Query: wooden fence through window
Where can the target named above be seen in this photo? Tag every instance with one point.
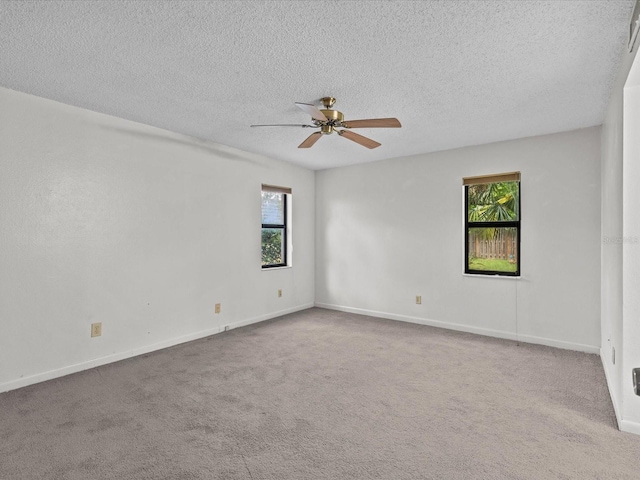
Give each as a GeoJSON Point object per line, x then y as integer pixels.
{"type": "Point", "coordinates": [502, 245]}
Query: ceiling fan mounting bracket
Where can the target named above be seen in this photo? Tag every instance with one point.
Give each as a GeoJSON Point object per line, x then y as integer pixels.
{"type": "Point", "coordinates": [327, 102]}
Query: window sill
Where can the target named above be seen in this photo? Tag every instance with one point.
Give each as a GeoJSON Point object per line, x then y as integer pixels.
{"type": "Point", "coordinates": [284, 267]}
{"type": "Point", "coordinates": [501, 277]}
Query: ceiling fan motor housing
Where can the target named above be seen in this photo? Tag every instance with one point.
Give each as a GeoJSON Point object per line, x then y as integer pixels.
{"type": "Point", "coordinates": [334, 119]}
{"type": "Point", "coordinates": [333, 115]}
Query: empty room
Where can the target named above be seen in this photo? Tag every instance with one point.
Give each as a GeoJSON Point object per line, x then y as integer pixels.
{"type": "Point", "coordinates": [286, 240]}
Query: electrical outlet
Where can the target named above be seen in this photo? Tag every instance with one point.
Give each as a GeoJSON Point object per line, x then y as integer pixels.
{"type": "Point", "coordinates": [279, 292]}
{"type": "Point", "coordinates": [96, 329]}
{"type": "Point", "coordinates": [226, 328]}
{"type": "Point", "coordinates": [419, 299]}
{"type": "Point", "coordinates": [217, 308]}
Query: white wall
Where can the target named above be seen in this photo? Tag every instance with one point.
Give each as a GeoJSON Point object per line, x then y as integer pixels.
{"type": "Point", "coordinates": [619, 208]}
{"type": "Point", "coordinates": [391, 230]}
{"type": "Point", "coordinates": [631, 249]}
{"type": "Point", "coordinates": [103, 219]}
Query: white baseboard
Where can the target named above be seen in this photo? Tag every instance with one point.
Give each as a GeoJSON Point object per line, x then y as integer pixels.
{"type": "Point", "coordinates": [97, 362]}
{"type": "Point", "coordinates": [466, 328]}
{"type": "Point", "coordinates": [629, 427]}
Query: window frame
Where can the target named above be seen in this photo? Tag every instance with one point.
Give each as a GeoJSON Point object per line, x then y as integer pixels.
{"type": "Point", "coordinates": [283, 227]}
{"type": "Point", "coordinates": [492, 224]}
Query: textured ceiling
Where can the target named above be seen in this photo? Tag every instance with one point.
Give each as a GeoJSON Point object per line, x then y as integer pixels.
{"type": "Point", "coordinates": [454, 72]}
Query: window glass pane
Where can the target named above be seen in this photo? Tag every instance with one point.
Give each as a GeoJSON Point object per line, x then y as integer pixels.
{"type": "Point", "coordinates": [494, 249]}
{"type": "Point", "coordinates": [272, 246]}
{"type": "Point", "coordinates": [493, 202]}
{"type": "Point", "coordinates": [273, 208]}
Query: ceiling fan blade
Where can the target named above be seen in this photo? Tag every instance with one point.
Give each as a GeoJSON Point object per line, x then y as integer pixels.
{"type": "Point", "coordinates": [311, 139]}
{"type": "Point", "coordinates": [354, 137]}
{"type": "Point", "coordinates": [311, 110]}
{"type": "Point", "coordinates": [285, 125]}
{"type": "Point", "coordinates": [373, 123]}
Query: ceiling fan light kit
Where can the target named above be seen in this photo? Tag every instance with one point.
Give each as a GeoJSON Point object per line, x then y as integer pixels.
{"type": "Point", "coordinates": [328, 121]}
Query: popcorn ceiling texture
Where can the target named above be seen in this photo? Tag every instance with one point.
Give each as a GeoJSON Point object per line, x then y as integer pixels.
{"type": "Point", "coordinates": [455, 73]}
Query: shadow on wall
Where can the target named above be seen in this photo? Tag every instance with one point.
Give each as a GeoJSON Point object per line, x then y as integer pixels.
{"type": "Point", "coordinates": [220, 151]}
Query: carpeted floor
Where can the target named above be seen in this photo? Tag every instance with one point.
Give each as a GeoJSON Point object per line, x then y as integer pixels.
{"type": "Point", "coordinates": [323, 395]}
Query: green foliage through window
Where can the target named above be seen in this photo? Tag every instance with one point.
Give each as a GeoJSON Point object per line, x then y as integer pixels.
{"type": "Point", "coordinates": [272, 246]}
{"type": "Point", "coordinates": [493, 202]}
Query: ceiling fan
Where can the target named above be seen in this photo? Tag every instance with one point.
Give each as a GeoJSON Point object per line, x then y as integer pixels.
{"type": "Point", "coordinates": [329, 121]}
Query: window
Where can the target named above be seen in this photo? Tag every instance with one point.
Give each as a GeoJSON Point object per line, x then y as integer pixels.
{"type": "Point", "coordinates": [492, 224]}
{"type": "Point", "coordinates": [274, 226]}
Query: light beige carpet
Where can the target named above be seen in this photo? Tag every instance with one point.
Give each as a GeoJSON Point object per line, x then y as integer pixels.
{"type": "Point", "coordinates": [323, 395]}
